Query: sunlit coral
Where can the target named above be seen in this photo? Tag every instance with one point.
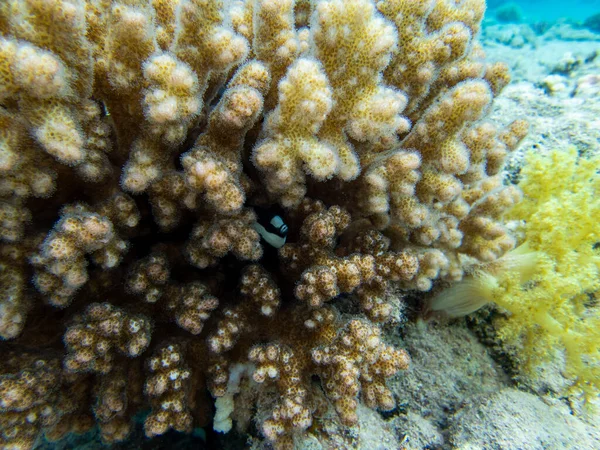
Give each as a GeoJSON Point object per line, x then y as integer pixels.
{"type": "Point", "coordinates": [151, 152]}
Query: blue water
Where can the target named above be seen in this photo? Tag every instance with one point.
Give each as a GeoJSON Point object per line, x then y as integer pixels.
{"type": "Point", "coordinates": [551, 10]}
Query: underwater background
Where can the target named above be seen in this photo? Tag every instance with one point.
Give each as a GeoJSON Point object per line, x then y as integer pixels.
{"type": "Point", "coordinates": [523, 371]}
{"type": "Point", "coordinates": [550, 10]}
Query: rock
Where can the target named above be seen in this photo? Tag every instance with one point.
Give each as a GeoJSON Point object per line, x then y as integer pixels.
{"type": "Point", "coordinates": [554, 84]}
{"type": "Point", "coordinates": [588, 86]}
{"type": "Point", "coordinates": [419, 432]}
{"type": "Point", "coordinates": [448, 367]}
{"type": "Point", "coordinates": [511, 419]}
{"type": "Point", "coordinates": [567, 32]}
{"type": "Point", "coordinates": [513, 35]}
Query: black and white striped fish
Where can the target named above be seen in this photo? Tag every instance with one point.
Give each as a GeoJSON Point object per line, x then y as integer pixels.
{"type": "Point", "coordinates": [271, 227]}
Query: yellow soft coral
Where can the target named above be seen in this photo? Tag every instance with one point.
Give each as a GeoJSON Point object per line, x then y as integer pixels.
{"type": "Point", "coordinates": [560, 212]}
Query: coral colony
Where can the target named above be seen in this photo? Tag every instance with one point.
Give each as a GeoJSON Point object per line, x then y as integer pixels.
{"type": "Point", "coordinates": [151, 152]}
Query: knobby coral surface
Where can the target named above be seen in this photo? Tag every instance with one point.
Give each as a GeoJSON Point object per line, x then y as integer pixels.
{"type": "Point", "coordinates": [145, 148]}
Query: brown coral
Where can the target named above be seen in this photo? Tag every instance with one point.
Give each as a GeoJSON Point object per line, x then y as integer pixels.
{"type": "Point", "coordinates": [168, 388]}
{"type": "Point", "coordinates": [94, 336]}
{"type": "Point", "coordinates": [150, 152]}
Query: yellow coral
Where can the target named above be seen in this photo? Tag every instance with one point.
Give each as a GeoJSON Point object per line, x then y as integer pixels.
{"type": "Point", "coordinates": [560, 221]}
{"type": "Point", "coordinates": [304, 102]}
{"type": "Point", "coordinates": [172, 98]}
{"type": "Point", "coordinates": [355, 44]}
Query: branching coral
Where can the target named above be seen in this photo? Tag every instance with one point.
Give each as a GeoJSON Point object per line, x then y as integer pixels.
{"type": "Point", "coordinates": [145, 148]}
{"type": "Point", "coordinates": [36, 394]}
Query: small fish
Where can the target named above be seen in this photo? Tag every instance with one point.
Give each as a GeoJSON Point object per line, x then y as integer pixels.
{"type": "Point", "coordinates": [103, 109]}
{"type": "Point", "coordinates": [271, 228]}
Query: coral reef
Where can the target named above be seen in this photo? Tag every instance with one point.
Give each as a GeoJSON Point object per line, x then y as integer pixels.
{"type": "Point", "coordinates": [560, 311]}
{"type": "Point", "coordinates": [150, 149]}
